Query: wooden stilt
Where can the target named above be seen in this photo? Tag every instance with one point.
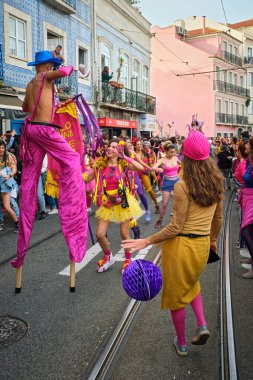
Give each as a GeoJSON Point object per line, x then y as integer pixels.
{"type": "Point", "coordinates": [18, 280]}
{"type": "Point", "coordinates": [72, 287]}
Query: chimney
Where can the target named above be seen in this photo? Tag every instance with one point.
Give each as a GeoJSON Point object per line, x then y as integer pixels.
{"type": "Point", "coordinates": [204, 24]}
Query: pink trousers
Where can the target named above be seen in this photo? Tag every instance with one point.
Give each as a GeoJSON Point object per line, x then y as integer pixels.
{"type": "Point", "coordinates": [40, 140]}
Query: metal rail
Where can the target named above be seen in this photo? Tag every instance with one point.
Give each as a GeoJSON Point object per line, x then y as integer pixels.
{"type": "Point", "coordinates": [228, 352]}
{"type": "Point", "coordinates": [102, 367]}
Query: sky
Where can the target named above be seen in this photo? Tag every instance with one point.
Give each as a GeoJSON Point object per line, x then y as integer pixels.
{"type": "Point", "coordinates": [164, 12]}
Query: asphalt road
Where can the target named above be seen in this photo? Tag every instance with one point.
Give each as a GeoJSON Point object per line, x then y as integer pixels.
{"type": "Point", "coordinates": [68, 331]}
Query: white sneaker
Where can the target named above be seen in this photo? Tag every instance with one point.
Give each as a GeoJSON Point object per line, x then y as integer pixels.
{"type": "Point", "coordinates": [246, 266]}
{"type": "Point", "coordinates": [48, 209]}
{"type": "Point", "coordinates": [54, 211]}
{"type": "Point", "coordinates": [105, 263]}
{"type": "Point", "coordinates": [244, 252]}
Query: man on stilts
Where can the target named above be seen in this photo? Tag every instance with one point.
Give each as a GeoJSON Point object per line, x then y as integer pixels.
{"type": "Point", "coordinates": [40, 136]}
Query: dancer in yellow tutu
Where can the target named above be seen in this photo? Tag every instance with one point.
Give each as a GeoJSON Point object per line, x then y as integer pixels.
{"type": "Point", "coordinates": [114, 198]}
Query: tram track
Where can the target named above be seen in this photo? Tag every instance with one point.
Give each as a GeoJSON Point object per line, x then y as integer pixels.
{"type": "Point", "coordinates": [229, 349]}
{"type": "Point", "coordinates": [34, 245]}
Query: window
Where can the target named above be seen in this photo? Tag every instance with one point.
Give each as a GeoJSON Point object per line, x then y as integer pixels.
{"type": "Point", "coordinates": [241, 81]}
{"type": "Point", "coordinates": [235, 79]}
{"type": "Point", "coordinates": [250, 79]}
{"type": "Point", "coordinates": [225, 46]}
{"type": "Point", "coordinates": [242, 109]}
{"type": "Point", "coordinates": [226, 107]}
{"type": "Point", "coordinates": [136, 73]}
{"type": "Point", "coordinates": [231, 108]}
{"type": "Point", "coordinates": [105, 56]}
{"type": "Point", "coordinates": [230, 49]}
{"type": "Point", "coordinates": [125, 71]}
{"type": "Point", "coordinates": [236, 108]}
{"type": "Point", "coordinates": [225, 134]}
{"type": "Point", "coordinates": [17, 37]}
{"type": "Point", "coordinates": [225, 76]}
{"type": "Point", "coordinates": [230, 77]}
{"type": "Point", "coordinates": [235, 51]}
{"type": "Point", "coordinates": [145, 80]}
{"type": "Point", "coordinates": [54, 40]}
{"type": "Point", "coordinates": [218, 105]}
{"type": "Point", "coordinates": [249, 52]}
{"type": "Point", "coordinates": [251, 108]}
{"type": "Point", "coordinates": [217, 73]}
{"type": "Point", "coordinates": [83, 57]}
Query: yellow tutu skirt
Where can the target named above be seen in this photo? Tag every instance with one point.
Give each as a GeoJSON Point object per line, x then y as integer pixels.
{"type": "Point", "coordinates": [117, 214]}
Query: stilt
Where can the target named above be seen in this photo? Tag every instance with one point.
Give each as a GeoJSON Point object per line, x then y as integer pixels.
{"type": "Point", "coordinates": [18, 280]}
{"type": "Point", "coordinates": [72, 287]}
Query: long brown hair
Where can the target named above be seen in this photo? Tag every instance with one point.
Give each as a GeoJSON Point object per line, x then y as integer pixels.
{"type": "Point", "coordinates": [251, 149]}
{"type": "Point", "coordinates": [203, 180]}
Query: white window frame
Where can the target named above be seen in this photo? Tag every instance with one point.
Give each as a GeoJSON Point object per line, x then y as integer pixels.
{"type": "Point", "coordinates": [231, 108]}
{"type": "Point", "coordinates": [250, 79]}
{"type": "Point", "coordinates": [242, 110]}
{"type": "Point", "coordinates": [17, 38]}
{"type": "Point", "coordinates": [236, 108]}
{"type": "Point", "coordinates": [108, 56]}
{"type": "Point", "coordinates": [226, 108]}
{"type": "Point", "coordinates": [51, 28]}
{"type": "Point", "coordinates": [218, 105]}
{"type": "Point", "coordinates": [145, 80]}
{"type": "Point", "coordinates": [136, 75]}
{"type": "Point", "coordinates": [125, 81]}
{"type": "Point", "coordinates": [218, 72]}
{"type": "Point", "coordinates": [224, 45]}
{"type": "Point", "coordinates": [80, 44]}
{"type": "Point", "coordinates": [24, 17]}
{"type": "Point", "coordinates": [235, 79]}
{"type": "Point", "coordinates": [241, 81]}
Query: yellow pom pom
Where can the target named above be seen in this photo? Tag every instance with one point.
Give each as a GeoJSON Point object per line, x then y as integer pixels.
{"type": "Point", "coordinates": [85, 176]}
{"type": "Point", "coordinates": [122, 142]}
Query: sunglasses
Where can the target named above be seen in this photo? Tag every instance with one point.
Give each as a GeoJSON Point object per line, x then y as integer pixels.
{"type": "Point", "coordinates": [112, 172]}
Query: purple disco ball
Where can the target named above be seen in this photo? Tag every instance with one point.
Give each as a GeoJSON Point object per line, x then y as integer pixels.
{"type": "Point", "coordinates": [142, 280]}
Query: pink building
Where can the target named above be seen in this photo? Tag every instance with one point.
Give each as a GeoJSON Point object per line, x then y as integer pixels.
{"type": "Point", "coordinates": [198, 72]}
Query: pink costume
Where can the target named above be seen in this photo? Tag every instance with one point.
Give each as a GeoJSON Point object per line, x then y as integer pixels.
{"type": "Point", "coordinates": [39, 138]}
{"type": "Point", "coordinates": [170, 171]}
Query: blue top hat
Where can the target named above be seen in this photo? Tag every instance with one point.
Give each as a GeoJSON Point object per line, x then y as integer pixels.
{"type": "Point", "coordinates": [44, 57]}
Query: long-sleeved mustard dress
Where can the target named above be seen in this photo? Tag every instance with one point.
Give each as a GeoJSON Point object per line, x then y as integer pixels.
{"type": "Point", "coordinates": [184, 258]}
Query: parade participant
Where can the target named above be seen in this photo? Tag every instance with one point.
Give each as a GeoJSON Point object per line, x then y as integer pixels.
{"type": "Point", "coordinates": [169, 166]}
{"type": "Point", "coordinates": [194, 228]}
{"type": "Point", "coordinates": [40, 136]}
{"type": "Point", "coordinates": [144, 174]}
{"type": "Point", "coordinates": [7, 183]}
{"type": "Point", "coordinates": [114, 198]}
{"type": "Point", "coordinates": [138, 183]}
{"type": "Point", "coordinates": [246, 201]}
{"type": "Point", "coordinates": [149, 157]}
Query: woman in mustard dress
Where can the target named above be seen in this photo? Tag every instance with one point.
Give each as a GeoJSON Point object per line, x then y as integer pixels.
{"type": "Point", "coordinates": [186, 240]}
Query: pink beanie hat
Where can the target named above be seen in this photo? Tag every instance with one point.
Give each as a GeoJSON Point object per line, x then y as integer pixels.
{"type": "Point", "coordinates": [196, 146]}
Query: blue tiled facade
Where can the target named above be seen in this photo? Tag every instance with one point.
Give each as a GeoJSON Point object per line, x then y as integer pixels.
{"type": "Point", "coordinates": [77, 27]}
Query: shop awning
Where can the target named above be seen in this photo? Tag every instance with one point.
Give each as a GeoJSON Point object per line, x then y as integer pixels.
{"type": "Point", "coordinates": [107, 122]}
{"type": "Point", "coordinates": [11, 107]}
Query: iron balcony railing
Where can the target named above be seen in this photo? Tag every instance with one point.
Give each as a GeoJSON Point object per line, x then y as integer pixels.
{"type": "Point", "coordinates": [231, 58]}
{"type": "Point", "coordinates": [1, 64]}
{"type": "Point", "coordinates": [248, 60]}
{"type": "Point", "coordinates": [67, 86]}
{"type": "Point", "coordinates": [126, 98]}
{"type": "Point", "coordinates": [230, 88]}
{"type": "Point", "coordinates": [231, 119]}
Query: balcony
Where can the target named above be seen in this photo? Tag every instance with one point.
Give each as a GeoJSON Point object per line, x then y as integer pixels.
{"type": "Point", "coordinates": [248, 60]}
{"type": "Point", "coordinates": [1, 65]}
{"type": "Point", "coordinates": [65, 6]}
{"type": "Point", "coordinates": [126, 99]}
{"type": "Point", "coordinates": [67, 87]}
{"type": "Point", "coordinates": [229, 57]}
{"type": "Point", "coordinates": [224, 118]}
{"type": "Point", "coordinates": [230, 88]}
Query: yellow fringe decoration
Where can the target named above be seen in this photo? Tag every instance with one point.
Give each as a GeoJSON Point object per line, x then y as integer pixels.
{"type": "Point", "coordinates": [68, 107]}
{"type": "Point", "coordinates": [51, 186]}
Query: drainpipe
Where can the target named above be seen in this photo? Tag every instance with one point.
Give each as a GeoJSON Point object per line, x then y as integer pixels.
{"type": "Point", "coordinates": [94, 48]}
{"type": "Point", "coordinates": [204, 24]}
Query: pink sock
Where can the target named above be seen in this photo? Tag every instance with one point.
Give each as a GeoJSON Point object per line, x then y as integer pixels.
{"type": "Point", "coordinates": [128, 255]}
{"type": "Point", "coordinates": [178, 317]}
{"type": "Point", "coordinates": [107, 252]}
{"type": "Point", "coordinates": [197, 307]}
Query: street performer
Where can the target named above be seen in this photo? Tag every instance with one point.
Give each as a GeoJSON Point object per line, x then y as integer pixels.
{"type": "Point", "coordinates": [40, 136]}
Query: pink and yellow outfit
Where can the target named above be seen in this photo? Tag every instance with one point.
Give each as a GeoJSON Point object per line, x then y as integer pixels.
{"type": "Point", "coordinates": [39, 138]}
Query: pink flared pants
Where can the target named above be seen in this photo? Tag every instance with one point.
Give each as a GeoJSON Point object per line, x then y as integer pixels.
{"type": "Point", "coordinates": [41, 139]}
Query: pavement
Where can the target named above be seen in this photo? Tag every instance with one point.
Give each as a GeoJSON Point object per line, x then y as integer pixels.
{"type": "Point", "coordinates": [68, 331]}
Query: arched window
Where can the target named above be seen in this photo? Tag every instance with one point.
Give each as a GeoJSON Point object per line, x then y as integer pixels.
{"type": "Point", "coordinates": [105, 56]}
{"type": "Point", "coordinates": [125, 71]}
{"type": "Point", "coordinates": [145, 80]}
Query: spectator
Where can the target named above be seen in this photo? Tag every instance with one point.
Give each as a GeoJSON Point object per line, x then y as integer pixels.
{"type": "Point", "coordinates": [225, 164]}
{"type": "Point", "coordinates": [7, 183]}
{"type": "Point", "coordinates": [106, 77]}
{"type": "Point", "coordinates": [81, 73]}
{"type": "Point", "coordinates": [57, 54]}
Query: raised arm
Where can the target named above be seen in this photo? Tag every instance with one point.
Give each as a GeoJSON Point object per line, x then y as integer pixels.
{"type": "Point", "coordinates": [63, 71]}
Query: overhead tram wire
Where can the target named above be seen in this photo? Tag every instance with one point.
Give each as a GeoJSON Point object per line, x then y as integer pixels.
{"type": "Point", "coordinates": [224, 12]}
{"type": "Point", "coordinates": [212, 71]}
